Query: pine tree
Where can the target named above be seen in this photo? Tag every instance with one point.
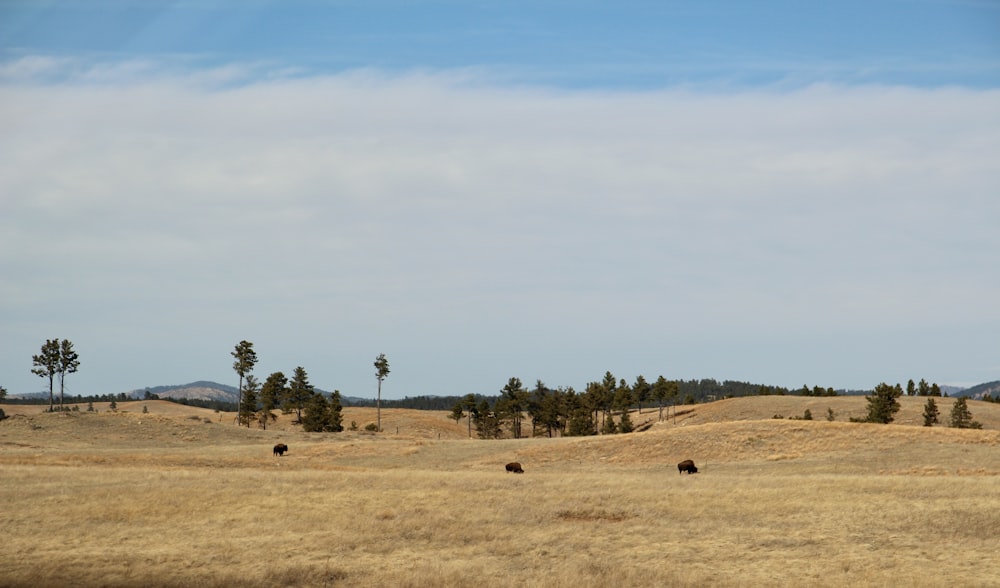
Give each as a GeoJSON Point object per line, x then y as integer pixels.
{"type": "Point", "coordinates": [883, 404]}
{"type": "Point", "coordinates": [931, 413]}
{"type": "Point", "coordinates": [316, 414]}
{"type": "Point", "coordinates": [487, 423]}
{"type": "Point", "coordinates": [625, 426]}
{"type": "Point", "coordinates": [245, 358]}
{"type": "Point", "coordinates": [69, 361]}
{"type": "Point", "coordinates": [47, 365]}
{"type": "Point", "coordinates": [581, 422]}
{"type": "Point", "coordinates": [336, 410]}
{"type": "Point", "coordinates": [271, 395]}
{"type": "Point", "coordinates": [381, 372]}
{"type": "Point", "coordinates": [961, 417]}
{"type": "Point", "coordinates": [300, 391]}
{"type": "Point", "coordinates": [248, 400]}
{"type": "Point", "coordinates": [511, 405]}
{"type": "Point", "coordinates": [641, 390]}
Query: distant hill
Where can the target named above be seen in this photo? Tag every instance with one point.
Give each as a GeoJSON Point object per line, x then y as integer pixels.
{"type": "Point", "coordinates": [200, 390]}
{"type": "Point", "coordinates": [214, 391]}
{"type": "Point", "coordinates": [952, 390]}
{"type": "Point", "coordinates": [977, 392]}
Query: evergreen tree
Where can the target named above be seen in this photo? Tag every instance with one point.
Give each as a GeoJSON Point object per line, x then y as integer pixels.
{"type": "Point", "coordinates": [883, 404]}
{"type": "Point", "coordinates": [47, 365]}
{"type": "Point", "coordinates": [316, 414]}
{"type": "Point", "coordinates": [641, 390]}
{"type": "Point", "coordinates": [272, 393]}
{"type": "Point", "coordinates": [469, 404]}
{"type": "Point", "coordinates": [664, 390]}
{"type": "Point", "coordinates": [581, 422]}
{"type": "Point", "coordinates": [930, 413]}
{"type": "Point", "coordinates": [245, 358]}
{"type": "Point", "coordinates": [248, 400]}
{"type": "Point", "coordinates": [624, 397]}
{"type": "Point", "coordinates": [961, 417]}
{"type": "Point", "coordinates": [300, 391]}
{"type": "Point", "coordinates": [336, 412]}
{"type": "Point", "coordinates": [923, 389]}
{"type": "Point", "coordinates": [911, 388]}
{"type": "Point", "coordinates": [322, 415]}
{"type": "Point", "coordinates": [381, 372]}
{"type": "Point", "coordinates": [547, 409]}
{"type": "Point", "coordinates": [69, 361]}
{"type": "Point", "coordinates": [487, 423]}
{"type": "Point", "coordinates": [511, 405]}
{"type": "Point", "coordinates": [457, 412]}
{"type": "Point", "coordinates": [625, 426]}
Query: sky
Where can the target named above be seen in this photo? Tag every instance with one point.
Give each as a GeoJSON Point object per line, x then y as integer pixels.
{"type": "Point", "coordinates": [778, 192]}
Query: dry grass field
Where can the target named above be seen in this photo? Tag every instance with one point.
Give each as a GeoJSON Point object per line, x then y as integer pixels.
{"type": "Point", "coordinates": [179, 496]}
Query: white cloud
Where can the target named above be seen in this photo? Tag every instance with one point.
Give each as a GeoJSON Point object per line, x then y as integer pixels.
{"type": "Point", "coordinates": [440, 213]}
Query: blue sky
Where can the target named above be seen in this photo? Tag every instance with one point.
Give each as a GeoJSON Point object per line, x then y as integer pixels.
{"type": "Point", "coordinates": [774, 192]}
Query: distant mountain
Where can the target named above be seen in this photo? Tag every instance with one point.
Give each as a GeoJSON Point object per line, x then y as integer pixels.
{"type": "Point", "coordinates": [977, 392]}
{"type": "Point", "coordinates": [214, 391]}
{"type": "Point", "coordinates": [200, 390]}
{"type": "Point", "coordinates": [952, 390]}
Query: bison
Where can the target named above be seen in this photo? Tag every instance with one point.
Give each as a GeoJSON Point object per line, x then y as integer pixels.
{"type": "Point", "coordinates": [687, 466]}
{"type": "Point", "coordinates": [515, 467]}
{"type": "Point", "coordinates": [280, 449]}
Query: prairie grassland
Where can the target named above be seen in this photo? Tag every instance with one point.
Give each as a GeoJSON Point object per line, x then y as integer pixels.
{"type": "Point", "coordinates": [171, 500]}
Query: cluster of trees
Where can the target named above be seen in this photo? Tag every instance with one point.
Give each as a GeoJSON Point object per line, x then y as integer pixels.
{"type": "Point", "coordinates": [922, 389]}
{"type": "Point", "coordinates": [883, 404]}
{"type": "Point", "coordinates": [563, 411]}
{"type": "Point", "coordinates": [960, 417]}
{"type": "Point", "coordinates": [312, 409]}
{"type": "Point", "coordinates": [57, 358]}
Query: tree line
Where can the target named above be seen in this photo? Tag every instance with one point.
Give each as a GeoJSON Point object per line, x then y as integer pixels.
{"type": "Point", "coordinates": [313, 410]}
{"type": "Point", "coordinates": [602, 407]}
{"type": "Point", "coordinates": [883, 404]}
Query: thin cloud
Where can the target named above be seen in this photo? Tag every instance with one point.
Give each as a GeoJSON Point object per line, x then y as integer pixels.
{"type": "Point", "coordinates": [468, 223]}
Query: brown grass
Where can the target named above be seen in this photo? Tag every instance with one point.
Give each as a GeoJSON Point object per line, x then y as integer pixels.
{"type": "Point", "coordinates": [180, 497]}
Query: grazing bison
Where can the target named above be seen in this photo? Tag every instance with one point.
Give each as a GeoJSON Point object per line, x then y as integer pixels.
{"type": "Point", "coordinates": [280, 449]}
{"type": "Point", "coordinates": [515, 467]}
{"type": "Point", "coordinates": [687, 466]}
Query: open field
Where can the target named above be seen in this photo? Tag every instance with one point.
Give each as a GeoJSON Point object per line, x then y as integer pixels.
{"type": "Point", "coordinates": [181, 497]}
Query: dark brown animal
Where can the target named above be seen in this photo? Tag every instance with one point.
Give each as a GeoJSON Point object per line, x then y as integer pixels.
{"type": "Point", "coordinates": [280, 449]}
{"type": "Point", "coordinates": [687, 466]}
{"type": "Point", "coordinates": [515, 467]}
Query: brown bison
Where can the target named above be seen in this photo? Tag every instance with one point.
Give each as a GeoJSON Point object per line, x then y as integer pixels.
{"type": "Point", "coordinates": [687, 466]}
{"type": "Point", "coordinates": [280, 449]}
{"type": "Point", "coordinates": [515, 467]}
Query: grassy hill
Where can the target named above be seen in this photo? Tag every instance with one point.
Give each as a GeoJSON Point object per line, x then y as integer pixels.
{"type": "Point", "coordinates": [180, 496]}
